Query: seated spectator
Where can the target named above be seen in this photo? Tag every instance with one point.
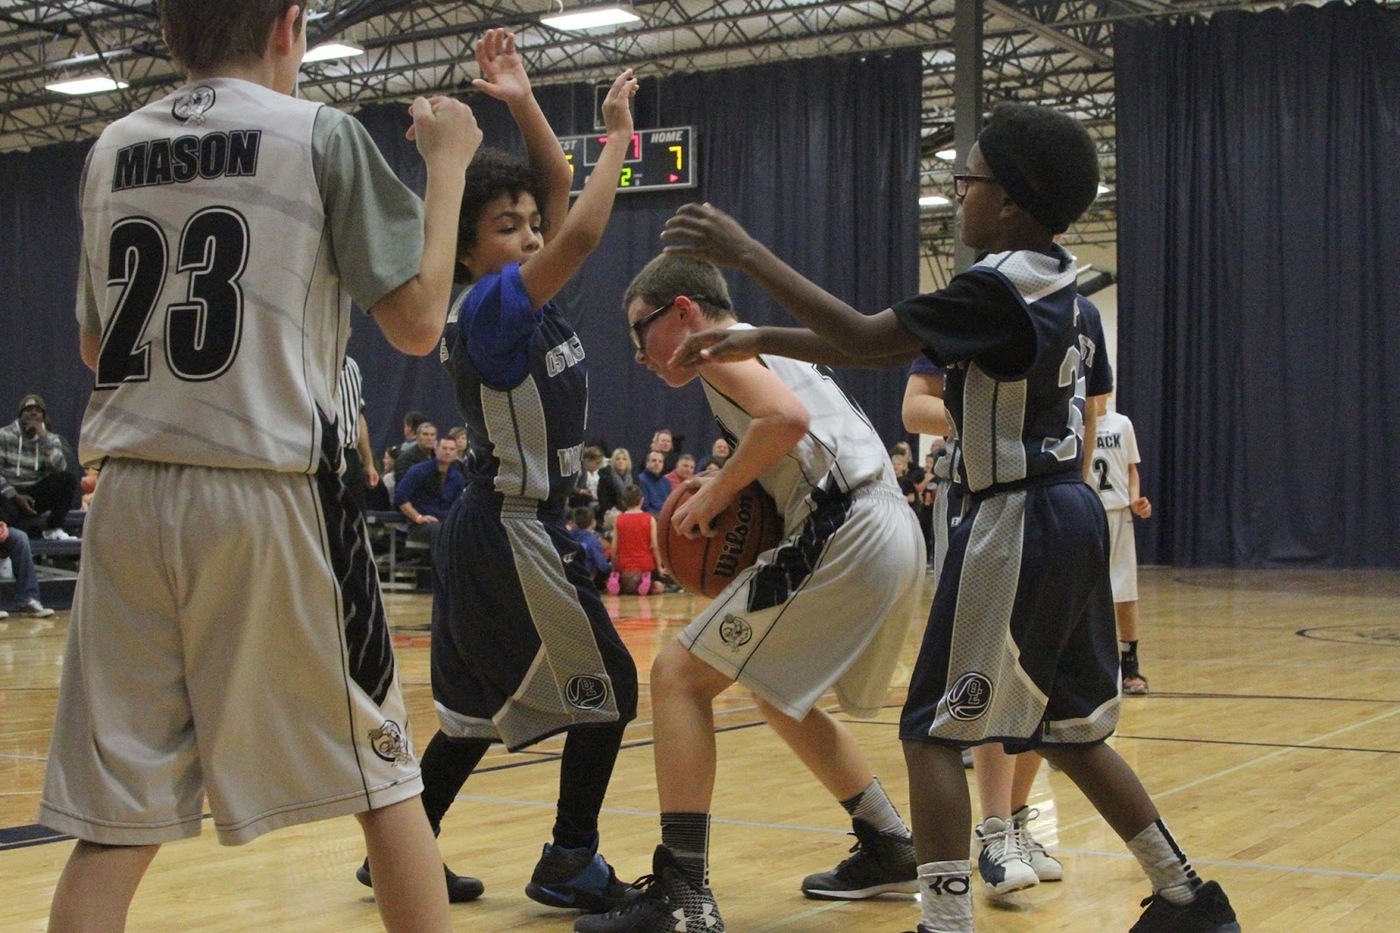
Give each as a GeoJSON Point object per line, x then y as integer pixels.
{"type": "Point", "coordinates": [636, 555]}
{"type": "Point", "coordinates": [595, 557]}
{"type": "Point", "coordinates": [465, 457]}
{"type": "Point", "coordinates": [665, 443]}
{"type": "Point", "coordinates": [685, 469]}
{"type": "Point", "coordinates": [426, 492]}
{"type": "Point", "coordinates": [411, 421]}
{"type": "Point", "coordinates": [616, 476]}
{"type": "Point", "coordinates": [35, 482]}
{"type": "Point", "coordinates": [410, 455]}
{"type": "Point", "coordinates": [653, 483]}
{"type": "Point", "coordinates": [720, 452]}
{"type": "Point", "coordinates": [588, 484]}
{"type": "Point", "coordinates": [14, 547]}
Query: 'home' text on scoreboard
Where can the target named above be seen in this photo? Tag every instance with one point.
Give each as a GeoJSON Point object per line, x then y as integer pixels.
{"type": "Point", "coordinates": [655, 159]}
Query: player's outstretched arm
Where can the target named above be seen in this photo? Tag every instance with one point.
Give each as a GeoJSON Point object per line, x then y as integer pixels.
{"type": "Point", "coordinates": [923, 410]}
{"type": "Point", "coordinates": [721, 345]}
{"type": "Point", "coordinates": [706, 232]}
{"type": "Point", "coordinates": [412, 315]}
{"type": "Point", "coordinates": [503, 77]}
{"type": "Point", "coordinates": [583, 227]}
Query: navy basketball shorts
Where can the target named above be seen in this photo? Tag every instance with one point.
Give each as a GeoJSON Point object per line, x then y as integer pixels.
{"type": "Point", "coordinates": [1020, 646]}
{"type": "Point", "coordinates": [522, 646]}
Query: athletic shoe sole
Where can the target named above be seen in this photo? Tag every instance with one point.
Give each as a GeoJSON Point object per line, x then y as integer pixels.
{"type": "Point", "coordinates": [897, 887]}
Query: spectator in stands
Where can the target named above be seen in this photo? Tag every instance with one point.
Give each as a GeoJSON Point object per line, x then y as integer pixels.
{"type": "Point", "coordinates": [428, 489]}
{"type": "Point", "coordinates": [664, 443]}
{"type": "Point", "coordinates": [35, 482]}
{"type": "Point", "coordinates": [594, 556]}
{"type": "Point", "coordinates": [720, 452]}
{"type": "Point", "coordinates": [636, 554]}
{"type": "Point", "coordinates": [685, 469]}
{"type": "Point", "coordinates": [588, 486]}
{"type": "Point", "coordinates": [653, 483]}
{"type": "Point", "coordinates": [410, 455]}
{"type": "Point", "coordinates": [616, 477]}
{"type": "Point", "coordinates": [465, 457]}
{"type": "Point", "coordinates": [361, 472]}
{"type": "Point", "coordinates": [411, 422]}
{"type": "Point", "coordinates": [14, 547]}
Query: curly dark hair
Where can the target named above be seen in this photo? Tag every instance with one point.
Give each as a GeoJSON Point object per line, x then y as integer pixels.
{"type": "Point", "coordinates": [491, 174]}
{"type": "Point", "coordinates": [1052, 151]}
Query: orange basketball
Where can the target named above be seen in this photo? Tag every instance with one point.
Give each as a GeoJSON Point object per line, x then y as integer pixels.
{"type": "Point", "coordinates": [748, 527]}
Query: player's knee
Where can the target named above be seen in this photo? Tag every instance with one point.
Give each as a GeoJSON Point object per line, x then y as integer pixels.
{"type": "Point", "coordinates": [676, 671]}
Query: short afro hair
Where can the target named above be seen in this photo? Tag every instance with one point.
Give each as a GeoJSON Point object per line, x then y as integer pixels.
{"type": "Point", "coordinates": [1045, 160]}
{"type": "Point", "coordinates": [491, 174]}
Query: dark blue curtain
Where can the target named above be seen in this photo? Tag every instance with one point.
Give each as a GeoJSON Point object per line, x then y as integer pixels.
{"type": "Point", "coordinates": [818, 158]}
{"type": "Point", "coordinates": [1259, 291]}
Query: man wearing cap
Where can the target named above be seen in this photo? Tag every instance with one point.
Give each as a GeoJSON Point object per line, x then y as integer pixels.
{"type": "Point", "coordinates": [35, 482]}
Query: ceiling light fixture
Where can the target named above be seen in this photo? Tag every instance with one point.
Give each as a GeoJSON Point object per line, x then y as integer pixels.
{"type": "Point", "coordinates": [947, 155]}
{"type": "Point", "coordinates": [589, 17]}
{"type": "Point", "coordinates": [86, 86]}
{"type": "Point", "coordinates": [328, 50]}
{"type": "Point", "coordinates": [934, 200]}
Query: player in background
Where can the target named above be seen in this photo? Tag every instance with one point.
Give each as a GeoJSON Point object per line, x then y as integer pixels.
{"type": "Point", "coordinates": [522, 647]}
{"type": "Point", "coordinates": [226, 229]}
{"type": "Point", "coordinates": [827, 608]}
{"type": "Point", "coordinates": [1021, 650]}
{"type": "Point", "coordinates": [1114, 472]}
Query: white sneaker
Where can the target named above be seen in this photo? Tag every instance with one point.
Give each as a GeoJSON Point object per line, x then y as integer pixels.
{"type": "Point", "coordinates": [1002, 863]}
{"type": "Point", "coordinates": [57, 534]}
{"type": "Point", "coordinates": [33, 608]}
{"type": "Point", "coordinates": [1047, 867]}
{"type": "Point", "coordinates": [4, 614]}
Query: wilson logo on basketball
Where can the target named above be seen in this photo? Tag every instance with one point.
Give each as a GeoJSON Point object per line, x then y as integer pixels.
{"type": "Point", "coordinates": [970, 696]}
{"type": "Point", "coordinates": [389, 743]}
{"type": "Point", "coordinates": [586, 691]}
{"type": "Point", "coordinates": [727, 564]}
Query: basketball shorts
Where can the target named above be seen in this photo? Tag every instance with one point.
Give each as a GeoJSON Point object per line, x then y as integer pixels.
{"type": "Point", "coordinates": [1122, 555]}
{"type": "Point", "coordinates": [829, 606]}
{"type": "Point", "coordinates": [947, 513]}
{"type": "Point", "coordinates": [522, 647]}
{"type": "Point", "coordinates": [227, 638]}
{"type": "Point", "coordinates": [1020, 645]}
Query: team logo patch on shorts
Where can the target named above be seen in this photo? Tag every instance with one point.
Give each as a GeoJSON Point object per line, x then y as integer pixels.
{"type": "Point", "coordinates": [190, 107]}
{"type": "Point", "coordinates": [389, 743]}
{"type": "Point", "coordinates": [585, 691]}
{"type": "Point", "coordinates": [970, 696]}
{"type": "Point", "coordinates": [735, 632]}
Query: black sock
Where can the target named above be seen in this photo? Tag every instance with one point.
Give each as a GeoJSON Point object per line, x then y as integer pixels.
{"type": "Point", "coordinates": [447, 763]}
{"type": "Point", "coordinates": [584, 772]}
{"type": "Point", "coordinates": [687, 835]}
{"type": "Point", "coordinates": [1127, 652]}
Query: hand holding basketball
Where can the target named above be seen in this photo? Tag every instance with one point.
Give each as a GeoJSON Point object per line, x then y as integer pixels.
{"type": "Point", "coordinates": [735, 535]}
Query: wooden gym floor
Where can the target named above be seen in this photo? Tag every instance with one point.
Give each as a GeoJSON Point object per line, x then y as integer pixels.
{"type": "Point", "coordinates": [1271, 742]}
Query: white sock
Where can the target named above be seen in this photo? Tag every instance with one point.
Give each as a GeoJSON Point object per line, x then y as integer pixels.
{"type": "Point", "coordinates": [945, 897]}
{"type": "Point", "coordinates": [1167, 868]}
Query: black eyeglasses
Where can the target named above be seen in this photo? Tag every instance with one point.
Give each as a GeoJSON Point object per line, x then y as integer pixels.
{"type": "Point", "coordinates": [639, 329]}
{"type": "Point", "coordinates": [962, 182]}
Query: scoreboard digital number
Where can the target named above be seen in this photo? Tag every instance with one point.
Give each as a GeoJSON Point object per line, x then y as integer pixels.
{"type": "Point", "coordinates": [655, 159]}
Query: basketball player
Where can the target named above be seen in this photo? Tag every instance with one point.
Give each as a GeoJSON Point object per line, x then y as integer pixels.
{"type": "Point", "coordinates": [226, 229]}
{"type": "Point", "coordinates": [828, 607]}
{"type": "Point", "coordinates": [1115, 476]}
{"type": "Point", "coordinates": [1019, 647]}
{"type": "Point", "coordinates": [522, 647]}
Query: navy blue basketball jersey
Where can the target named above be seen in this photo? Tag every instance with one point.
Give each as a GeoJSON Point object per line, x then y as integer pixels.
{"type": "Point", "coordinates": [522, 387]}
{"type": "Point", "coordinates": [1007, 331]}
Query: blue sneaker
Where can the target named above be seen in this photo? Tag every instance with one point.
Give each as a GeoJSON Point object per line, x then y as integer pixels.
{"type": "Point", "coordinates": [577, 879]}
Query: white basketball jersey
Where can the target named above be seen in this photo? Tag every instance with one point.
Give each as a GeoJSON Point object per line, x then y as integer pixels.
{"type": "Point", "coordinates": [1115, 446]}
{"type": "Point", "coordinates": [205, 247]}
{"type": "Point", "coordinates": [841, 451]}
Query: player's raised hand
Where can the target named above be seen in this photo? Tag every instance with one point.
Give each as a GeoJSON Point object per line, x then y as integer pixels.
{"type": "Point", "coordinates": [445, 131]}
{"type": "Point", "coordinates": [617, 110]}
{"type": "Point", "coordinates": [502, 69]}
{"type": "Point", "coordinates": [716, 345]}
{"type": "Point", "coordinates": [706, 232]}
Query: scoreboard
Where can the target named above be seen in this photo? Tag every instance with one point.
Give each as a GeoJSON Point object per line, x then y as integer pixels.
{"type": "Point", "coordinates": [655, 159]}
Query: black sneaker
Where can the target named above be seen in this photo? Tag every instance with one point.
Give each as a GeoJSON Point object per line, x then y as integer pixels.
{"type": "Point", "coordinates": [1210, 912]}
{"type": "Point", "coordinates": [664, 902]}
{"type": "Point", "coordinates": [460, 888]}
{"type": "Point", "coordinates": [879, 864]}
{"type": "Point", "coordinates": [578, 879]}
